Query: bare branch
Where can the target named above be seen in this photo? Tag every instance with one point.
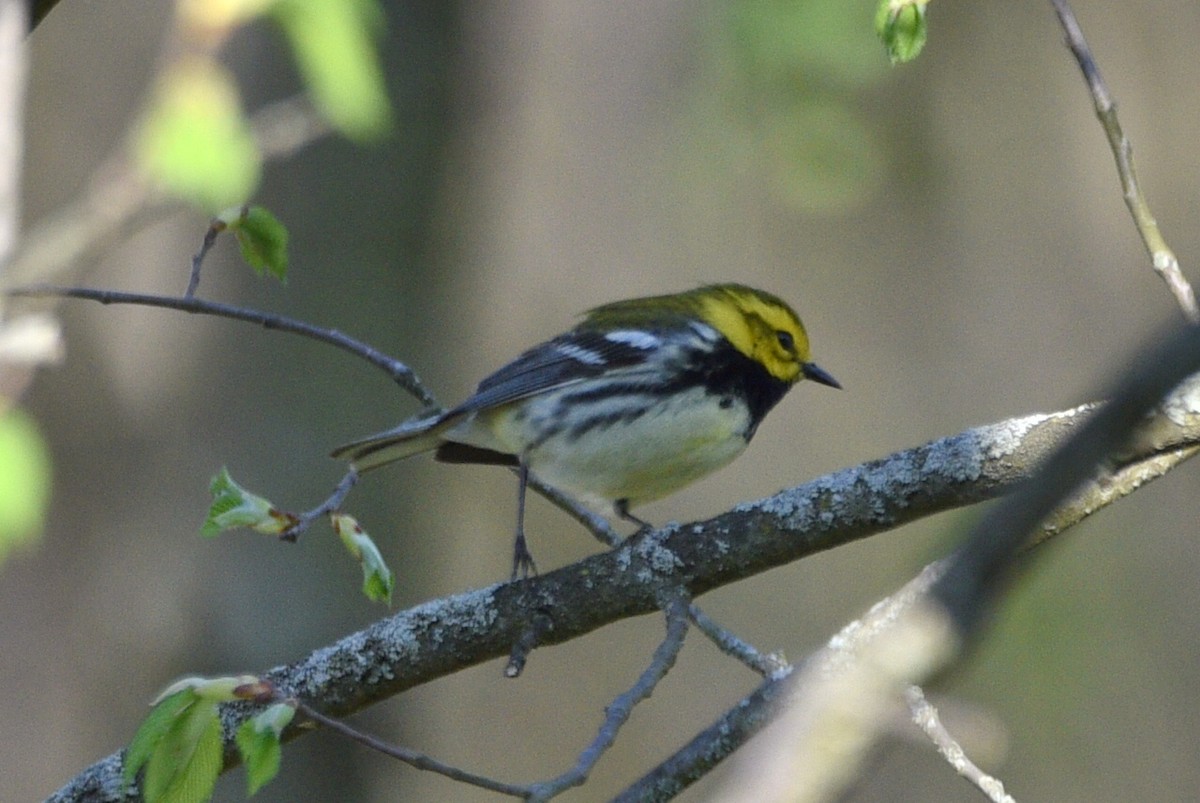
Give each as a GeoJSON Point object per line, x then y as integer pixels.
{"type": "Point", "coordinates": [1163, 258]}
{"type": "Point", "coordinates": [841, 696]}
{"type": "Point", "coordinates": [400, 373]}
{"type": "Point", "coordinates": [446, 635]}
{"type": "Point", "coordinates": [331, 504]}
{"type": "Point", "coordinates": [210, 238]}
{"type": "Point", "coordinates": [413, 758]}
{"type": "Point", "coordinates": [751, 714]}
{"type": "Point", "coordinates": [711, 746]}
{"type": "Point", "coordinates": [926, 716]}
{"type": "Point", "coordinates": [730, 644]}
{"type": "Point", "coordinates": [619, 710]}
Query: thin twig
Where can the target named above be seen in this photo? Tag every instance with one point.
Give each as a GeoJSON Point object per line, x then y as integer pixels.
{"type": "Point", "coordinates": [539, 624]}
{"type": "Point", "coordinates": [619, 710]}
{"type": "Point", "coordinates": [711, 746]}
{"type": "Point", "coordinates": [403, 376]}
{"type": "Point", "coordinates": [410, 757]}
{"type": "Point", "coordinates": [332, 503]}
{"type": "Point", "coordinates": [765, 664]}
{"type": "Point", "coordinates": [1164, 260]}
{"type": "Point", "coordinates": [925, 715]}
{"type": "Point", "coordinates": [210, 237]}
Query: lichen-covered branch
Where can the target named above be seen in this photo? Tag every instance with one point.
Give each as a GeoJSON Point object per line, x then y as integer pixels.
{"type": "Point", "coordinates": [446, 635]}
{"type": "Point", "coordinates": [752, 713]}
{"type": "Point", "coordinates": [841, 696]}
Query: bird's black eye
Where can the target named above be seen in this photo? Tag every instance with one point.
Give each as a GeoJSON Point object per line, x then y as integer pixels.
{"type": "Point", "coordinates": [786, 340]}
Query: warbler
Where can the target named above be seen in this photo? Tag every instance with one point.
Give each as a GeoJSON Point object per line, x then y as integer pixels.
{"type": "Point", "coordinates": [641, 398]}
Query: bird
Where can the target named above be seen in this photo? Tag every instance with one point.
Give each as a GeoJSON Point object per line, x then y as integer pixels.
{"type": "Point", "coordinates": [641, 398]}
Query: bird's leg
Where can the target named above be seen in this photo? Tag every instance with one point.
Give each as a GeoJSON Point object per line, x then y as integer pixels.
{"type": "Point", "coordinates": [523, 564]}
{"type": "Point", "coordinates": [621, 507]}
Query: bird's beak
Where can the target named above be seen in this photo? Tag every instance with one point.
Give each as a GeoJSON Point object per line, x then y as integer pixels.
{"type": "Point", "coordinates": [818, 374]}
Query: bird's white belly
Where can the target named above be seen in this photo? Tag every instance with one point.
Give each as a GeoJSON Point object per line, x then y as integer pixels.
{"type": "Point", "coordinates": [639, 459]}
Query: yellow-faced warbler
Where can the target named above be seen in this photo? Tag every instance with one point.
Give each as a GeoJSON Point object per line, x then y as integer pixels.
{"type": "Point", "coordinates": [643, 397]}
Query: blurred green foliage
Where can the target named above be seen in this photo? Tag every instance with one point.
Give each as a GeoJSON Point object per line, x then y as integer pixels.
{"type": "Point", "coordinates": [795, 72]}
{"type": "Point", "coordinates": [335, 45]}
{"type": "Point", "coordinates": [195, 139]}
{"type": "Point", "coordinates": [24, 481]}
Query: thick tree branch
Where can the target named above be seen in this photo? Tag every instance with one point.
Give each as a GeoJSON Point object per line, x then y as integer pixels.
{"type": "Point", "coordinates": [751, 714]}
{"type": "Point", "coordinates": [449, 634]}
{"type": "Point", "coordinates": [842, 694]}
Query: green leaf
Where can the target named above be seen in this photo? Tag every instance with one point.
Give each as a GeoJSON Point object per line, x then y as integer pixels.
{"type": "Point", "coordinates": [179, 745]}
{"type": "Point", "coordinates": [261, 754]}
{"type": "Point", "coordinates": [263, 240]}
{"type": "Point", "coordinates": [334, 45]}
{"type": "Point", "coordinates": [185, 765]}
{"type": "Point", "coordinates": [195, 141]}
{"type": "Point", "coordinates": [902, 26]}
{"type": "Point", "coordinates": [378, 580]}
{"type": "Point", "coordinates": [24, 481]}
{"type": "Point", "coordinates": [152, 730]}
{"type": "Point", "coordinates": [258, 742]}
{"type": "Point", "coordinates": [233, 506]}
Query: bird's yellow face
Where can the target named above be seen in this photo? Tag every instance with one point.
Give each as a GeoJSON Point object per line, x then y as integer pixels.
{"type": "Point", "coordinates": [762, 327]}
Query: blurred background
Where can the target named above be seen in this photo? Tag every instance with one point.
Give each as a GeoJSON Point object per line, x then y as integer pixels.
{"type": "Point", "coordinates": [951, 231]}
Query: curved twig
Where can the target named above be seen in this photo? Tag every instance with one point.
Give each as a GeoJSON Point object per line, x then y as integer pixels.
{"type": "Point", "coordinates": [1166, 265]}
{"type": "Point", "coordinates": [400, 373]}
{"type": "Point", "coordinates": [619, 710]}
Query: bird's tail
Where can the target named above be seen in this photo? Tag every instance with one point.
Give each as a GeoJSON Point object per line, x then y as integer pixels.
{"type": "Point", "coordinates": [406, 440]}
